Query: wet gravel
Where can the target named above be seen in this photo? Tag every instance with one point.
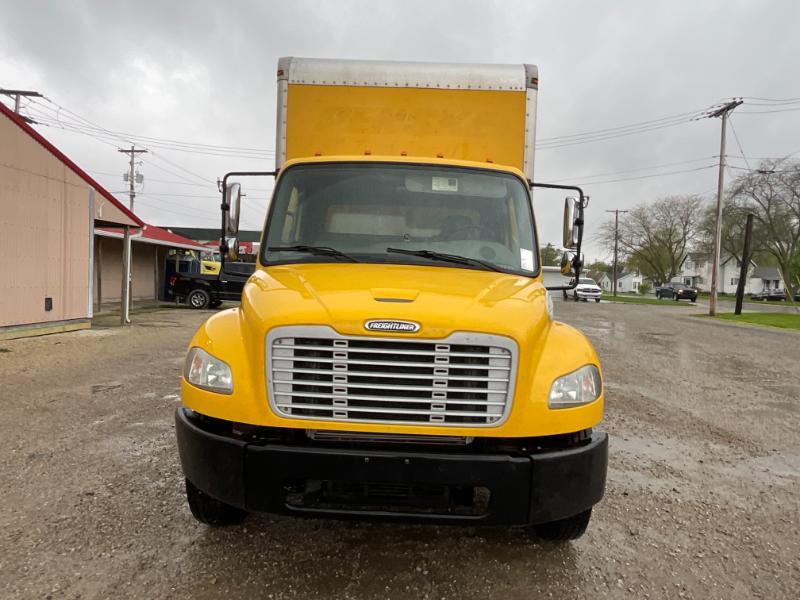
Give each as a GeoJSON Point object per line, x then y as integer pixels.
{"type": "Point", "coordinates": [703, 498]}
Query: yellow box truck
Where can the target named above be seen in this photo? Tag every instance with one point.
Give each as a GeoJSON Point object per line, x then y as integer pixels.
{"type": "Point", "coordinates": [395, 354]}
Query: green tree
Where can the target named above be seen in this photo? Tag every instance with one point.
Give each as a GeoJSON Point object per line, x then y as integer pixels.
{"type": "Point", "coordinates": [654, 238]}
{"type": "Point", "coordinates": [599, 266]}
{"type": "Point", "coordinates": [772, 194]}
{"type": "Point", "coordinates": [551, 256]}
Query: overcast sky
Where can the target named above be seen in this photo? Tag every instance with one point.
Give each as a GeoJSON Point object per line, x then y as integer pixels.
{"type": "Point", "coordinates": [204, 72]}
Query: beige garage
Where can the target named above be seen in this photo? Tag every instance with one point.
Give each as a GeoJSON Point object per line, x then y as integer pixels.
{"type": "Point", "coordinates": [151, 247]}
{"type": "Point", "coordinates": [49, 208]}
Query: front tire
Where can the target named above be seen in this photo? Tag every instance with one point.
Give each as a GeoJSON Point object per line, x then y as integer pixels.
{"type": "Point", "coordinates": [199, 299]}
{"type": "Point", "coordinates": [564, 530]}
{"type": "Point", "coordinates": [597, 299]}
{"type": "Point", "coordinates": [211, 511]}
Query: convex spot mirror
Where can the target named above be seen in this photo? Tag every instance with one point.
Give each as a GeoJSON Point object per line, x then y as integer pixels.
{"type": "Point", "coordinates": [566, 264]}
{"type": "Point", "coordinates": [233, 248]}
{"type": "Point", "coordinates": [569, 263]}
{"type": "Point", "coordinates": [571, 212]}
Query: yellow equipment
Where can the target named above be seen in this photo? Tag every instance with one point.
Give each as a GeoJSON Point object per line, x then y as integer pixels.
{"type": "Point", "coordinates": [395, 354]}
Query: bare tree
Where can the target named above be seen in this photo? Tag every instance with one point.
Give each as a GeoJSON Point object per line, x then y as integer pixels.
{"type": "Point", "coordinates": [734, 218]}
{"type": "Point", "coordinates": [656, 237]}
{"type": "Point", "coordinates": [772, 194]}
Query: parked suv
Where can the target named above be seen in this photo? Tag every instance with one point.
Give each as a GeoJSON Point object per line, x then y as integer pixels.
{"type": "Point", "coordinates": [676, 291]}
{"type": "Point", "coordinates": [770, 294]}
{"type": "Point", "coordinates": [587, 289]}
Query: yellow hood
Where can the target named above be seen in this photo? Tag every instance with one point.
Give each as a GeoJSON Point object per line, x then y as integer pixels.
{"type": "Point", "coordinates": [441, 299]}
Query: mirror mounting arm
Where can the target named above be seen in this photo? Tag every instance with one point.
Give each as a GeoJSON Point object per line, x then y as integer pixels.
{"type": "Point", "coordinates": [584, 202]}
{"type": "Point", "coordinates": [225, 207]}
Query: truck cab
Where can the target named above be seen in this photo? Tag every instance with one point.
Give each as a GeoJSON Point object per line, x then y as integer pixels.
{"type": "Point", "coordinates": [395, 354]}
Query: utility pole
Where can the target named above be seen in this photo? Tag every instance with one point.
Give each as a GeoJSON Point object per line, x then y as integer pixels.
{"type": "Point", "coordinates": [616, 246]}
{"type": "Point", "coordinates": [131, 174]}
{"type": "Point", "coordinates": [720, 112]}
{"type": "Point", "coordinates": [748, 233]}
{"type": "Point", "coordinates": [126, 240]}
{"type": "Point", "coordinates": [17, 94]}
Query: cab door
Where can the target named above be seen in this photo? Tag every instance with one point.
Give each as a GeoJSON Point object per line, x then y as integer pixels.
{"type": "Point", "coordinates": [232, 279]}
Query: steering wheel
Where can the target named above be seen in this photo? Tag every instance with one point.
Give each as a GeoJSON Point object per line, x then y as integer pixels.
{"type": "Point", "coordinates": [450, 234]}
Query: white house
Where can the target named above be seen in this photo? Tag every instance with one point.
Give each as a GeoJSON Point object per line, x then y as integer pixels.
{"type": "Point", "coordinates": [626, 282]}
{"type": "Point", "coordinates": [696, 271]}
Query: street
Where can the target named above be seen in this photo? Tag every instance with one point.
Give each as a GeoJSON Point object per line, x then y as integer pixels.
{"type": "Point", "coordinates": [702, 501]}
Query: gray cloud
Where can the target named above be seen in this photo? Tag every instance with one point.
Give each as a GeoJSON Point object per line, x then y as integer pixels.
{"type": "Point", "coordinates": [205, 71]}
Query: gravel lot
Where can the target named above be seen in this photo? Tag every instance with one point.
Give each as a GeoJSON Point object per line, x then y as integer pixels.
{"type": "Point", "coordinates": [703, 499]}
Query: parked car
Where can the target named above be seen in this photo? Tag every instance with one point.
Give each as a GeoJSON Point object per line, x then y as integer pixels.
{"type": "Point", "coordinates": [587, 289]}
{"type": "Point", "coordinates": [676, 290]}
{"type": "Point", "coordinates": [769, 295]}
{"type": "Point", "coordinates": [209, 291]}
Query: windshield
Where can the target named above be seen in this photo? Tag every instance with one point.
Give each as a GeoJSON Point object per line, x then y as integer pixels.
{"type": "Point", "coordinates": [587, 281]}
{"type": "Point", "coordinates": [362, 210]}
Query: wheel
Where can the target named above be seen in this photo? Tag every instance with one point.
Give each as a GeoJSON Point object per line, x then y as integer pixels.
{"type": "Point", "coordinates": [676, 298]}
{"type": "Point", "coordinates": [597, 299]}
{"type": "Point", "coordinates": [198, 298]}
{"type": "Point", "coordinates": [658, 296]}
{"type": "Point", "coordinates": [563, 530]}
{"type": "Point", "coordinates": [215, 303]}
{"type": "Point", "coordinates": [575, 296]}
{"type": "Point", "coordinates": [211, 511]}
{"type": "Point", "coordinates": [566, 296]}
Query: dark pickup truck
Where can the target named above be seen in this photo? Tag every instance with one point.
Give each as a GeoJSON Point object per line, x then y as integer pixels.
{"type": "Point", "coordinates": [209, 291]}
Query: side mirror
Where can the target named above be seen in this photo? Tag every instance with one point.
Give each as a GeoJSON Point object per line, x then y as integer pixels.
{"type": "Point", "coordinates": [571, 213]}
{"type": "Point", "coordinates": [232, 205]}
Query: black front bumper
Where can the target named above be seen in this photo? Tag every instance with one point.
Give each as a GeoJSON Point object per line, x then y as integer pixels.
{"type": "Point", "coordinates": [522, 489]}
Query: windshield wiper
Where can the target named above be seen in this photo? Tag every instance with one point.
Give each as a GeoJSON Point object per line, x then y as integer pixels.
{"type": "Point", "coordinates": [444, 257]}
{"type": "Point", "coordinates": [317, 250]}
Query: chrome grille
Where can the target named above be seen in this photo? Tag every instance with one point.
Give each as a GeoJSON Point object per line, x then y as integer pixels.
{"type": "Point", "coordinates": [465, 379]}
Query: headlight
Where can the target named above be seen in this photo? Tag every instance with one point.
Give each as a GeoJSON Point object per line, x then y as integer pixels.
{"type": "Point", "coordinates": [576, 388]}
{"type": "Point", "coordinates": [206, 372]}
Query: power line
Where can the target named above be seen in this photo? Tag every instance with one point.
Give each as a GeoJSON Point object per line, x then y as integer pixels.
{"type": "Point", "coordinates": [766, 112]}
{"type": "Point", "coordinates": [184, 169]}
{"type": "Point", "coordinates": [673, 164]}
{"type": "Point", "coordinates": [650, 176]}
{"type": "Point", "coordinates": [779, 100]}
{"type": "Point", "coordinates": [612, 129]}
{"type": "Point", "coordinates": [738, 143]}
{"type": "Point", "coordinates": [89, 125]}
{"type": "Point", "coordinates": [599, 138]}
{"type": "Point", "coordinates": [48, 122]}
